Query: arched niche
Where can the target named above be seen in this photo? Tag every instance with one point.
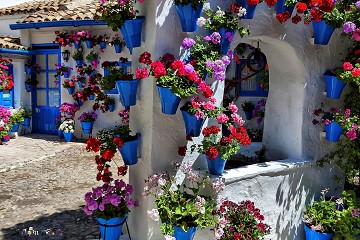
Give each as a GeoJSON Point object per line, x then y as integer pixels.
{"type": "Point", "coordinates": [284, 109]}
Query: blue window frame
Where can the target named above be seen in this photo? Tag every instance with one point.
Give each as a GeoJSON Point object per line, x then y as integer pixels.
{"type": "Point", "coordinates": [249, 87]}
{"type": "Point", "coordinates": [7, 96]}
{"type": "Point", "coordinates": [126, 66]}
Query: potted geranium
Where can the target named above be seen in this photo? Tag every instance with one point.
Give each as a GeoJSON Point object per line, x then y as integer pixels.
{"type": "Point", "coordinates": [16, 118]}
{"type": "Point", "coordinates": [5, 115]}
{"type": "Point", "coordinates": [27, 114]}
{"type": "Point", "coordinates": [80, 97]}
{"type": "Point", "coordinates": [62, 37]}
{"type": "Point", "coordinates": [69, 109]}
{"type": "Point", "coordinates": [110, 204]}
{"type": "Point", "coordinates": [68, 126]}
{"type": "Point", "coordinates": [189, 11]}
{"type": "Point", "coordinates": [248, 108]}
{"type": "Point", "coordinates": [69, 84]}
{"type": "Point", "coordinates": [117, 42]}
{"type": "Point", "coordinates": [109, 101]}
{"type": "Point", "coordinates": [259, 111]}
{"type": "Point", "coordinates": [122, 14]}
{"type": "Point", "coordinates": [93, 58]}
{"type": "Point", "coordinates": [30, 84]}
{"type": "Point", "coordinates": [80, 80]}
{"type": "Point", "coordinates": [62, 70]}
{"type": "Point", "coordinates": [7, 82]}
{"type": "Point", "coordinates": [182, 204]}
{"type": "Point", "coordinates": [239, 221]}
{"type": "Point", "coordinates": [87, 120]}
{"type": "Point", "coordinates": [102, 41]}
{"type": "Point", "coordinates": [78, 56]}
{"type": "Point", "coordinates": [129, 150]}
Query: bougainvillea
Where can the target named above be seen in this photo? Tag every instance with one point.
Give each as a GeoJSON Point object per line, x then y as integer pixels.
{"type": "Point", "coordinates": [6, 80]}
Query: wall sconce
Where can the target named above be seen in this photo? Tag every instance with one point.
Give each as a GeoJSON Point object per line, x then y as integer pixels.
{"type": "Point", "coordinates": [65, 55]}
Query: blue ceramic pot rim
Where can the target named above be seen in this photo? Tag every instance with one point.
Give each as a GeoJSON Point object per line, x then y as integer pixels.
{"type": "Point", "coordinates": [307, 226]}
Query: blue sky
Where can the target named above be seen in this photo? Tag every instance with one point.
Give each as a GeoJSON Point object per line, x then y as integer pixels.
{"type": "Point", "coordinates": [7, 3]}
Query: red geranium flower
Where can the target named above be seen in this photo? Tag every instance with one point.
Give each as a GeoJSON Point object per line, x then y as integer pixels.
{"type": "Point", "coordinates": [108, 154]}
{"type": "Point", "coordinates": [93, 144]}
{"type": "Point", "coordinates": [295, 19]}
{"type": "Point", "coordinates": [118, 142]}
{"type": "Point", "coordinates": [300, 7]}
{"type": "Point", "coordinates": [182, 151]}
{"type": "Point", "coordinates": [355, 72]}
{"type": "Point", "coordinates": [347, 66]}
{"type": "Point", "coordinates": [212, 152]}
{"type": "Point", "coordinates": [270, 2]}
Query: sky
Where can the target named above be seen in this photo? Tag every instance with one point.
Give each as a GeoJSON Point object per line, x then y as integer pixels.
{"type": "Point", "coordinates": [7, 3]}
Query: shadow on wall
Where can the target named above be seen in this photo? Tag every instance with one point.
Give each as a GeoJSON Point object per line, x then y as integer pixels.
{"type": "Point", "coordinates": [69, 224]}
{"type": "Point", "coordinates": [294, 193]}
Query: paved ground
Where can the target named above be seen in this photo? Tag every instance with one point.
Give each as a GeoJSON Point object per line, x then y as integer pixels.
{"type": "Point", "coordinates": [42, 185]}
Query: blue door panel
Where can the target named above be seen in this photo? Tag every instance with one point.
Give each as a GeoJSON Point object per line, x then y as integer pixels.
{"type": "Point", "coordinates": [44, 120]}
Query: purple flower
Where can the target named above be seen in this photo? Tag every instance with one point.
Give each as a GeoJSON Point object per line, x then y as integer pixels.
{"type": "Point", "coordinates": [115, 200]}
{"type": "Point", "coordinates": [92, 205]}
{"type": "Point", "coordinates": [188, 42]}
{"type": "Point", "coordinates": [189, 68]}
{"type": "Point", "coordinates": [229, 36]}
{"type": "Point", "coordinates": [349, 27]}
{"type": "Point", "coordinates": [102, 206]}
{"type": "Point", "coordinates": [226, 60]}
{"type": "Point", "coordinates": [129, 189]}
{"type": "Point", "coordinates": [207, 38]}
{"type": "Point", "coordinates": [209, 64]}
{"type": "Point", "coordinates": [357, 4]}
{"type": "Point", "coordinates": [215, 38]}
{"type": "Point", "coordinates": [120, 183]}
{"type": "Point", "coordinates": [230, 53]}
{"type": "Point", "coordinates": [87, 211]}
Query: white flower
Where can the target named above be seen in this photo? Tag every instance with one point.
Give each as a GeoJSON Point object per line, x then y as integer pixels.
{"type": "Point", "coordinates": [202, 210]}
{"type": "Point", "coordinates": [206, 6]}
{"type": "Point", "coordinates": [71, 131]}
{"type": "Point", "coordinates": [153, 214]}
{"type": "Point", "coordinates": [161, 181]}
{"type": "Point", "coordinates": [201, 21]}
{"type": "Point", "coordinates": [219, 232]}
{"type": "Point", "coordinates": [219, 13]}
{"type": "Point", "coordinates": [242, 12]}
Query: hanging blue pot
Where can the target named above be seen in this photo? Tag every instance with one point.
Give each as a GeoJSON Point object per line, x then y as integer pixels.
{"type": "Point", "coordinates": [106, 72]}
{"type": "Point", "coordinates": [188, 16]}
{"type": "Point", "coordinates": [79, 102]}
{"type": "Point", "coordinates": [91, 96]}
{"type": "Point", "coordinates": [80, 84]}
{"type": "Point", "coordinates": [89, 44]}
{"type": "Point", "coordinates": [216, 165]}
{"type": "Point", "coordinates": [60, 133]}
{"type": "Point", "coordinates": [79, 62]}
{"type": "Point", "coordinates": [250, 9]}
{"type": "Point", "coordinates": [225, 43]}
{"type": "Point", "coordinates": [127, 91]}
{"type": "Point", "coordinates": [180, 234]}
{"type": "Point", "coordinates": [333, 131]}
{"type": "Point", "coordinates": [29, 87]}
{"type": "Point", "coordinates": [28, 70]}
{"type": "Point", "coordinates": [66, 74]}
{"type": "Point", "coordinates": [26, 122]}
{"type": "Point", "coordinates": [102, 45]}
{"type": "Point", "coordinates": [131, 30]}
{"type": "Point", "coordinates": [169, 101]}
{"type": "Point", "coordinates": [70, 90]}
{"type": "Point", "coordinates": [248, 115]}
{"type": "Point", "coordinates": [118, 48]}
{"type": "Point", "coordinates": [68, 136]}
{"type": "Point", "coordinates": [15, 127]}
{"type": "Point", "coordinates": [281, 8]}
{"type": "Point", "coordinates": [77, 45]}
{"type": "Point", "coordinates": [322, 32]}
{"type": "Point", "coordinates": [334, 86]}
{"type": "Point", "coordinates": [111, 229]}
{"type": "Point", "coordinates": [87, 127]}
{"type": "Point", "coordinates": [112, 107]}
{"type": "Point", "coordinates": [313, 235]}
{"type": "Point", "coordinates": [192, 124]}
{"type": "Point", "coordinates": [129, 151]}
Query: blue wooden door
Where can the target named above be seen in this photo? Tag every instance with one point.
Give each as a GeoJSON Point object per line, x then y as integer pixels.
{"type": "Point", "coordinates": [7, 96]}
{"type": "Point", "coordinates": [46, 98]}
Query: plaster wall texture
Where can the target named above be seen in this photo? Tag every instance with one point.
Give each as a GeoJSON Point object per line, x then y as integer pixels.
{"type": "Point", "coordinates": [5, 22]}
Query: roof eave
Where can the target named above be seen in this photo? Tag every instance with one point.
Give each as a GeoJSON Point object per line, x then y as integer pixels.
{"type": "Point", "coordinates": [14, 51]}
{"type": "Point", "coordinates": [61, 23]}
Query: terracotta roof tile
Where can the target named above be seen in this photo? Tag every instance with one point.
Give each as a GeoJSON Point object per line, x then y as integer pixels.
{"type": "Point", "coordinates": [10, 42]}
{"type": "Point", "coordinates": [34, 6]}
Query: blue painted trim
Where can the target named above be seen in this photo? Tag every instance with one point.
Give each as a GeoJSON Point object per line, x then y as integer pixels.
{"type": "Point", "coordinates": [45, 45]}
{"type": "Point", "coordinates": [19, 52]}
{"type": "Point", "coordinates": [61, 23]}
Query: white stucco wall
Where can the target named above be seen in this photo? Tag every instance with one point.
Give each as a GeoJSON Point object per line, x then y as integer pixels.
{"type": "Point", "coordinates": [5, 22]}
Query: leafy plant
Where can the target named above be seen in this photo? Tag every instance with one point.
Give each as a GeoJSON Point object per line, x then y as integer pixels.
{"type": "Point", "coordinates": [184, 204]}
{"type": "Point", "coordinates": [87, 116]}
{"type": "Point", "coordinates": [92, 56]}
{"type": "Point", "coordinates": [123, 132]}
{"type": "Point", "coordinates": [247, 106]}
{"type": "Point", "coordinates": [17, 115]}
{"type": "Point", "coordinates": [78, 54]}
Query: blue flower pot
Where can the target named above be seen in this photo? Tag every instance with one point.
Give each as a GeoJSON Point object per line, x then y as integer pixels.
{"type": "Point", "coordinates": [131, 30]}
{"type": "Point", "coordinates": [129, 151]}
{"type": "Point", "coordinates": [106, 72]}
{"type": "Point", "coordinates": [68, 136]}
{"type": "Point", "coordinates": [87, 127]}
{"type": "Point", "coordinates": [169, 101]}
{"type": "Point", "coordinates": [29, 87]}
{"type": "Point", "coordinates": [26, 122]}
{"type": "Point", "coordinates": [4, 139]}
{"type": "Point", "coordinates": [118, 48]}
{"type": "Point", "coordinates": [66, 74]}
{"type": "Point", "coordinates": [111, 229]}
{"type": "Point", "coordinates": [281, 8]}
{"type": "Point", "coordinates": [15, 127]}
{"type": "Point", "coordinates": [70, 90]}
{"type": "Point", "coordinates": [77, 45]}
{"type": "Point", "coordinates": [322, 32]}
{"type": "Point", "coordinates": [216, 166]}
{"type": "Point", "coordinates": [333, 132]}
{"type": "Point", "coordinates": [102, 45]}
{"type": "Point", "coordinates": [127, 91]}
{"type": "Point", "coordinates": [250, 9]}
{"type": "Point", "coordinates": [334, 86]}
{"type": "Point", "coordinates": [225, 43]}
{"type": "Point", "coordinates": [79, 62]}
{"type": "Point", "coordinates": [79, 102]}
{"type": "Point", "coordinates": [180, 234]}
{"type": "Point", "coordinates": [60, 133]}
{"type": "Point", "coordinates": [80, 84]}
{"type": "Point", "coordinates": [192, 124]}
{"type": "Point", "coordinates": [248, 115]}
{"type": "Point", "coordinates": [313, 235]}
{"type": "Point", "coordinates": [188, 16]}
{"type": "Point", "coordinates": [28, 70]}
{"type": "Point", "coordinates": [112, 107]}
{"type": "Point", "coordinates": [88, 44]}
{"type": "Point", "coordinates": [92, 97]}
